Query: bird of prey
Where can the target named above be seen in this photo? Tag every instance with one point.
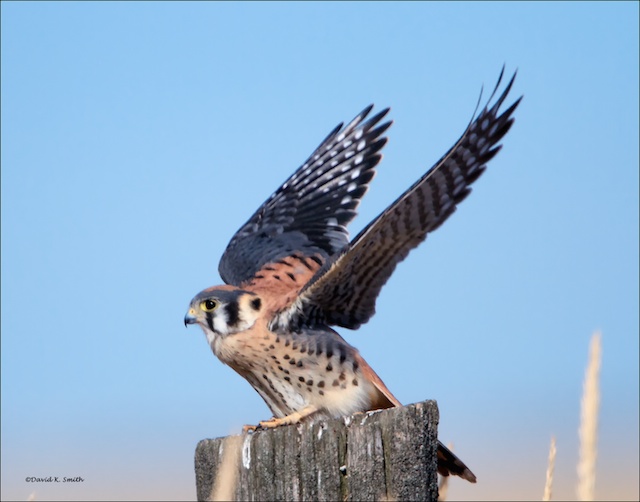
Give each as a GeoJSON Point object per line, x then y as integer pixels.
{"type": "Point", "coordinates": [292, 273]}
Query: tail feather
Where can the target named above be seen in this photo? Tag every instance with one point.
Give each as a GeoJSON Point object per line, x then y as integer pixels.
{"type": "Point", "coordinates": [449, 464]}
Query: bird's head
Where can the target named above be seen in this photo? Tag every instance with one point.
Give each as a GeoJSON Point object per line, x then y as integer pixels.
{"type": "Point", "coordinates": [223, 310]}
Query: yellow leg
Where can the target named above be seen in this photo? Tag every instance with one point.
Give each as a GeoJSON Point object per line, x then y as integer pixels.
{"type": "Point", "coordinates": [272, 423]}
{"type": "Point", "coordinates": [294, 418]}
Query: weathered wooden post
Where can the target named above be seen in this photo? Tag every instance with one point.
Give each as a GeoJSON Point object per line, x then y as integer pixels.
{"type": "Point", "coordinates": [384, 455]}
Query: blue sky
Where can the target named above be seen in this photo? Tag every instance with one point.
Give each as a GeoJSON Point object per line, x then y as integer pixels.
{"type": "Point", "coordinates": [138, 137]}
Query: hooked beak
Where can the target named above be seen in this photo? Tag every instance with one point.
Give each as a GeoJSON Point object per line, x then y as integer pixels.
{"type": "Point", "coordinates": [190, 317]}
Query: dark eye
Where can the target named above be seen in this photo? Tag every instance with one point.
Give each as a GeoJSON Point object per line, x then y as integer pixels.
{"type": "Point", "coordinates": [209, 305]}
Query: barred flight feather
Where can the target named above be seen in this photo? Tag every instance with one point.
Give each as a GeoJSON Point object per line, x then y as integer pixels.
{"type": "Point", "coordinates": [343, 292]}
{"type": "Point", "coordinates": [308, 214]}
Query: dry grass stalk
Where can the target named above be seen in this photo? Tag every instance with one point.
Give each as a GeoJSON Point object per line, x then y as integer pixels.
{"type": "Point", "coordinates": [443, 487]}
{"type": "Point", "coordinates": [589, 423]}
{"type": "Point", "coordinates": [548, 485]}
{"type": "Point", "coordinates": [224, 487]}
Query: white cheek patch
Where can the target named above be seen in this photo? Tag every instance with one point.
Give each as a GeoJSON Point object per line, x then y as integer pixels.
{"type": "Point", "coordinates": [220, 322]}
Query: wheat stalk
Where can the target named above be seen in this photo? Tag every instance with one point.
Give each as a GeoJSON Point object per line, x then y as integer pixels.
{"type": "Point", "coordinates": [548, 485]}
{"type": "Point", "coordinates": [443, 487]}
{"type": "Point", "coordinates": [224, 486]}
{"type": "Point", "coordinates": [589, 422]}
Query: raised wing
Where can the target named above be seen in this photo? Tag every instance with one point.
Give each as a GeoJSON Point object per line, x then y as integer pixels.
{"type": "Point", "coordinates": [308, 214]}
{"type": "Point", "coordinates": [343, 292]}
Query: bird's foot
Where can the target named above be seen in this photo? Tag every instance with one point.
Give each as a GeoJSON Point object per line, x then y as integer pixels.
{"type": "Point", "coordinates": [249, 428]}
{"type": "Point", "coordinates": [274, 422]}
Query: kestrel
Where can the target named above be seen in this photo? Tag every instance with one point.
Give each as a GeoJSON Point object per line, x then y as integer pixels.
{"type": "Point", "coordinates": [291, 272]}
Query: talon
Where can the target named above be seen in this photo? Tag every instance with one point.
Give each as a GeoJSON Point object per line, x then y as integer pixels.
{"type": "Point", "coordinates": [249, 428]}
{"type": "Point", "coordinates": [272, 423]}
